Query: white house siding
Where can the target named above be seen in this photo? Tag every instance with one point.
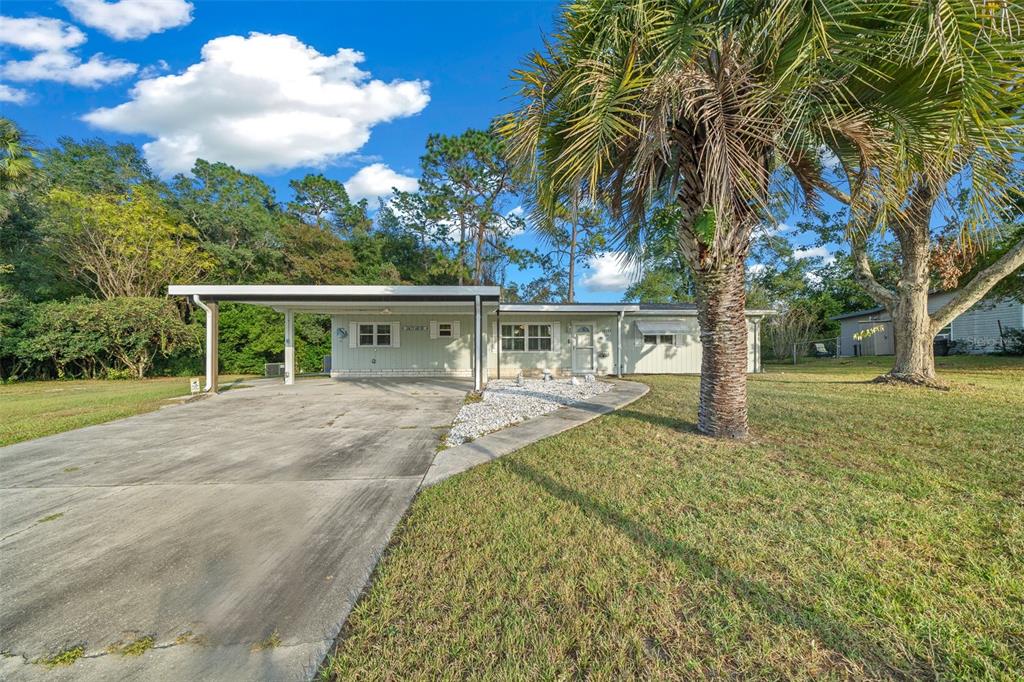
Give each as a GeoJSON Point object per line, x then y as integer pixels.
{"type": "Point", "coordinates": [558, 360]}
{"type": "Point", "coordinates": [419, 355]}
{"type": "Point", "coordinates": [416, 354]}
{"type": "Point", "coordinates": [979, 326]}
{"type": "Point", "coordinates": [683, 357]}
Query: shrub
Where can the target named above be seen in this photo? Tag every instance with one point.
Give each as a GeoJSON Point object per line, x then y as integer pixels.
{"type": "Point", "coordinates": [795, 326]}
{"type": "Point", "coordinates": [253, 335]}
{"type": "Point", "coordinates": [1014, 340]}
{"type": "Point", "coordinates": [90, 338]}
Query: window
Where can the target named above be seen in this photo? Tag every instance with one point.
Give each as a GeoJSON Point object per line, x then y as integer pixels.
{"type": "Point", "coordinates": [532, 337]}
{"type": "Point", "coordinates": [655, 339]}
{"type": "Point", "coordinates": [444, 329]}
{"type": "Point", "coordinates": [375, 335]}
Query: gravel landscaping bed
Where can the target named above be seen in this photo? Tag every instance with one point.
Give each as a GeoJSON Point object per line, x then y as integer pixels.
{"type": "Point", "coordinates": [505, 402]}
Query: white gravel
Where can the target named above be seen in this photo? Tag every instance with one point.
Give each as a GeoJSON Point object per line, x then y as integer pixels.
{"type": "Point", "coordinates": [505, 403]}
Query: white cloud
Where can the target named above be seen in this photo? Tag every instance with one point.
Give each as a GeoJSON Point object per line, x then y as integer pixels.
{"type": "Point", "coordinates": [130, 19]}
{"type": "Point", "coordinates": [153, 70]}
{"type": "Point", "coordinates": [12, 95]}
{"type": "Point", "coordinates": [609, 272]}
{"type": "Point", "coordinates": [262, 102]}
{"type": "Point", "coordinates": [518, 214]}
{"type": "Point", "coordinates": [814, 252]}
{"type": "Point", "coordinates": [52, 41]}
{"type": "Point", "coordinates": [377, 180]}
{"type": "Point", "coordinates": [39, 34]}
{"type": "Point", "coordinates": [756, 268]}
{"type": "Point", "coordinates": [65, 67]}
{"type": "Point", "coordinates": [828, 160]}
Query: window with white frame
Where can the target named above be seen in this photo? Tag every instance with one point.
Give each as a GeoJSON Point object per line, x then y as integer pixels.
{"type": "Point", "coordinates": [374, 335]}
{"type": "Point", "coordinates": [445, 329]}
{"type": "Point", "coordinates": [528, 337]}
{"type": "Point", "coordinates": [663, 339]}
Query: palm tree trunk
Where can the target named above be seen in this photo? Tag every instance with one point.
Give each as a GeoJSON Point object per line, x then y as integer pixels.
{"type": "Point", "coordinates": [721, 312]}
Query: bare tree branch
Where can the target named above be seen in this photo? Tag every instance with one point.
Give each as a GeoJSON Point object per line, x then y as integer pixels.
{"type": "Point", "coordinates": [979, 285]}
{"type": "Point", "coordinates": [862, 272]}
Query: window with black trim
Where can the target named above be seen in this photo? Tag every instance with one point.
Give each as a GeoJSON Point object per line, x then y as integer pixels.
{"type": "Point", "coordinates": [445, 329]}
{"type": "Point", "coordinates": [655, 339]}
{"type": "Point", "coordinates": [375, 335]}
{"type": "Point", "coordinates": [528, 337]}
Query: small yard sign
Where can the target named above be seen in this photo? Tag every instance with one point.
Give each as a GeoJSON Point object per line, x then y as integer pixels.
{"type": "Point", "coordinates": [194, 385]}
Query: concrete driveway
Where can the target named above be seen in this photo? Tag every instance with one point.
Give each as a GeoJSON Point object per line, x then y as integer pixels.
{"type": "Point", "coordinates": [236, 531]}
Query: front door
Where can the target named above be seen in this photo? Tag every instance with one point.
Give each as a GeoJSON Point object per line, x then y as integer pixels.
{"type": "Point", "coordinates": [582, 347]}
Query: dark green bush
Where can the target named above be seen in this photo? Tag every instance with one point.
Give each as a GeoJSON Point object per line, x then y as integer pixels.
{"type": "Point", "coordinates": [1014, 340]}
{"type": "Point", "coordinates": [251, 336]}
{"type": "Point", "coordinates": [92, 338]}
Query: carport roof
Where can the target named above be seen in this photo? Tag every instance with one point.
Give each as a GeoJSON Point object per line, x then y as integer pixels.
{"type": "Point", "coordinates": [316, 293]}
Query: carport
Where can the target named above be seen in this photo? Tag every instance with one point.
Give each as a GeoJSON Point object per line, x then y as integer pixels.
{"type": "Point", "coordinates": [337, 299]}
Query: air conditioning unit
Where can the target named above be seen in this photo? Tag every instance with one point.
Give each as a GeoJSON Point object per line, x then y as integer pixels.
{"type": "Point", "coordinates": [273, 369]}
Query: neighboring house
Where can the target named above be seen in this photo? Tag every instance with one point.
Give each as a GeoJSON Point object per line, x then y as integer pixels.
{"type": "Point", "coordinates": [979, 330]}
{"type": "Point", "coordinates": [450, 331]}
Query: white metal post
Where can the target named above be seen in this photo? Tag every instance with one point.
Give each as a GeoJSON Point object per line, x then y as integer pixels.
{"type": "Point", "coordinates": [212, 329]}
{"type": "Point", "coordinates": [289, 347]}
{"type": "Point", "coordinates": [477, 369]}
{"type": "Point", "coordinates": [618, 345]}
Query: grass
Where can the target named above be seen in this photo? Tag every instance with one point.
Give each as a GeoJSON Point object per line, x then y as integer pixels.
{"type": "Point", "coordinates": [40, 408]}
{"type": "Point", "coordinates": [272, 641]}
{"type": "Point", "coordinates": [867, 532]}
{"type": "Point", "coordinates": [66, 657]}
{"type": "Point", "coordinates": [136, 647]}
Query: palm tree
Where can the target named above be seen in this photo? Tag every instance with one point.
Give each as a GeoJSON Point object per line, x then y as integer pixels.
{"type": "Point", "coordinates": [949, 92]}
{"type": "Point", "coordinates": [693, 108]}
{"type": "Point", "coordinates": [17, 158]}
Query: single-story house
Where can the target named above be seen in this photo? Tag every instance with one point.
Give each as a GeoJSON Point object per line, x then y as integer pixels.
{"type": "Point", "coordinates": [980, 329]}
{"type": "Point", "coordinates": [467, 331]}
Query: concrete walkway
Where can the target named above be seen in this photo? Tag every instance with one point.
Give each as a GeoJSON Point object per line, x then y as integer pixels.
{"type": "Point", "coordinates": [455, 460]}
{"type": "Point", "coordinates": [236, 532]}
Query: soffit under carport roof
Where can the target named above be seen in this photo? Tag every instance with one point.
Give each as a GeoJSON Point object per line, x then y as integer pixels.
{"type": "Point", "coordinates": [301, 294]}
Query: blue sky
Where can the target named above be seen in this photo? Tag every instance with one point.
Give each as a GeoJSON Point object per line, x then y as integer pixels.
{"type": "Point", "coordinates": [433, 67]}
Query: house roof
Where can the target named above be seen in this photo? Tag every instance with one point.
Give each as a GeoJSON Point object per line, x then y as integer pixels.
{"type": "Point", "coordinates": [315, 293]}
{"type": "Point", "coordinates": [283, 296]}
{"type": "Point", "coordinates": [858, 313]}
{"type": "Point", "coordinates": [632, 308]}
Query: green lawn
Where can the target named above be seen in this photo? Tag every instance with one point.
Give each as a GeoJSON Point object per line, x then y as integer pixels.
{"type": "Point", "coordinates": [39, 408]}
{"type": "Point", "coordinates": [868, 532]}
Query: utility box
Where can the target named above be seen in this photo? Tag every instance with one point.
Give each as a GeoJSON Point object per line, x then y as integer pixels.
{"type": "Point", "coordinates": [273, 369]}
{"type": "Point", "coordinates": [327, 364]}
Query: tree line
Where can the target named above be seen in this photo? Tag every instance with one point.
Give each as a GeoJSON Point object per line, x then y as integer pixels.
{"type": "Point", "coordinates": [91, 238]}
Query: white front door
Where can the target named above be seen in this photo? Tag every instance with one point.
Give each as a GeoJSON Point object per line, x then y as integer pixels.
{"type": "Point", "coordinates": [582, 338]}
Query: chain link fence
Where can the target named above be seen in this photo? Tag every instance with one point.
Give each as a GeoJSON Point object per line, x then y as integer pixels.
{"type": "Point", "coordinates": [816, 348]}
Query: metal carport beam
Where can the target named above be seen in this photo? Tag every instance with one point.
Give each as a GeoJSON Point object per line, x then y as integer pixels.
{"type": "Point", "coordinates": [212, 329]}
